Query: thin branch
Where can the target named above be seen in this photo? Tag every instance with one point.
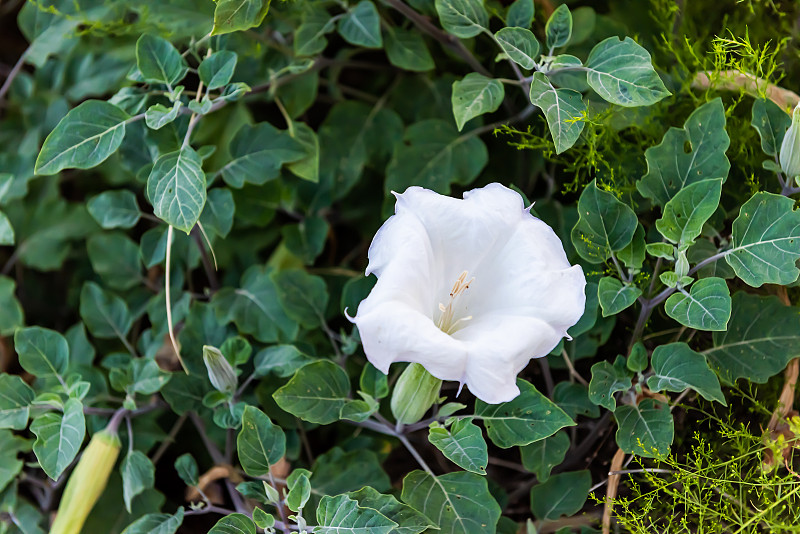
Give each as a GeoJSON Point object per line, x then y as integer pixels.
{"type": "Point", "coordinates": [13, 74]}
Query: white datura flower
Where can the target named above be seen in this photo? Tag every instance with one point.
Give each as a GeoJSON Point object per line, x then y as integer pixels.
{"type": "Point", "coordinates": [471, 289]}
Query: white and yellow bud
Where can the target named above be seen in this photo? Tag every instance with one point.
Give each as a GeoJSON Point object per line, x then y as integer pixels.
{"type": "Point", "coordinates": [220, 371]}
{"type": "Point", "coordinates": [790, 148]}
{"type": "Point", "coordinates": [414, 393]}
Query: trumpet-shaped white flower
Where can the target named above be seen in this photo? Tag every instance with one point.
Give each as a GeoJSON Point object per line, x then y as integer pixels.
{"type": "Point", "coordinates": [790, 147]}
{"type": "Point", "coordinates": [471, 289]}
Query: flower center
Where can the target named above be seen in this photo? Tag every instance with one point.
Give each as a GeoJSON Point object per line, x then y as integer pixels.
{"type": "Point", "coordinates": [447, 322]}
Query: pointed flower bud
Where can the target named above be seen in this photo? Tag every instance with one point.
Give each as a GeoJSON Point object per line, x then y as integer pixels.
{"type": "Point", "coordinates": [415, 391]}
{"type": "Point", "coordinates": [790, 148]}
{"type": "Point", "coordinates": [220, 372]}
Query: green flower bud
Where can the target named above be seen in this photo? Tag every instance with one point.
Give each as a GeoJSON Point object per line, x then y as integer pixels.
{"type": "Point", "coordinates": [87, 482]}
{"type": "Point", "coordinates": [220, 372]}
{"type": "Point", "coordinates": [682, 264]}
{"type": "Point", "coordinates": [414, 393]}
{"type": "Point", "coordinates": [790, 148]}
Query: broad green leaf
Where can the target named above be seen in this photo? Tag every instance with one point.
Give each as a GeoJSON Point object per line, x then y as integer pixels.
{"type": "Point", "coordinates": [573, 398]}
{"type": "Point", "coordinates": [462, 18]}
{"type": "Point", "coordinates": [59, 437]}
{"type": "Point", "coordinates": [528, 418]}
{"type": "Point", "coordinates": [217, 69]}
{"type": "Point", "coordinates": [234, 523]}
{"type": "Point", "coordinates": [158, 115]}
{"type": "Point", "coordinates": [686, 212]}
{"type": "Point", "coordinates": [676, 367]}
{"type": "Point", "coordinates": [771, 122]}
{"type": "Point", "coordinates": [260, 443]}
{"type": "Point", "coordinates": [558, 29]}
{"type": "Point", "coordinates": [238, 15]}
{"type": "Point", "coordinates": [283, 360]}
{"type": "Point", "coordinates": [343, 515]}
{"type": "Point", "coordinates": [434, 156]}
{"type": "Point", "coordinates": [156, 524]}
{"type": "Point", "coordinates": [703, 250]}
{"type": "Point", "coordinates": [462, 443]}
{"type": "Point", "coordinates": [42, 352]}
{"type": "Point", "coordinates": [670, 167]}
{"type": "Point", "coordinates": [309, 39]}
{"type": "Point", "coordinates": [6, 230]}
{"type": "Point", "coordinates": [10, 465]}
{"type": "Point", "coordinates": [563, 108]}
{"type": "Point", "coordinates": [158, 61]}
{"type": "Point", "coordinates": [83, 139]}
{"type": "Point", "coordinates": [217, 216]}
{"type": "Point", "coordinates": [11, 313]}
{"type": "Point", "coordinates": [541, 457]}
{"type": "Point", "coordinates": [262, 519]}
{"type": "Point", "coordinates": [707, 306]}
{"type": "Point", "coordinates": [562, 494]}
{"type": "Point", "coordinates": [146, 377]}
{"type": "Point", "coordinates": [622, 73]}
{"type": "Point", "coordinates": [766, 241]}
{"type": "Point", "coordinates": [520, 45]}
{"type": "Point", "coordinates": [646, 429]}
{"type": "Point", "coordinates": [614, 296]}
{"type": "Point", "coordinates": [520, 14]}
{"type": "Point", "coordinates": [106, 315]}
{"type": "Point", "coordinates": [638, 358]}
{"type": "Point", "coordinates": [475, 95]}
{"type": "Point", "coordinates": [306, 239]}
{"type": "Point", "coordinates": [361, 25]}
{"type": "Point", "coordinates": [115, 257]}
{"type": "Point", "coordinates": [258, 152]}
{"type": "Point", "coordinates": [187, 469]}
{"type": "Point", "coordinates": [406, 49]}
{"type": "Point", "coordinates": [763, 335]}
{"type": "Point", "coordinates": [138, 474]}
{"type": "Point", "coordinates": [176, 188]}
{"type": "Point", "coordinates": [304, 296]}
{"type": "Point", "coordinates": [661, 250]}
{"type": "Point", "coordinates": [605, 224]}
{"type": "Point", "coordinates": [632, 255]}
{"type": "Point", "coordinates": [409, 521]}
{"type": "Point", "coordinates": [114, 209]}
{"type": "Point", "coordinates": [316, 392]}
{"type": "Point", "coordinates": [15, 400]}
{"type": "Point", "coordinates": [299, 489]}
{"type": "Point", "coordinates": [373, 382]}
{"type": "Point", "coordinates": [359, 409]}
{"type": "Point", "coordinates": [363, 468]}
{"type": "Point", "coordinates": [459, 503]}
{"type": "Point", "coordinates": [607, 379]}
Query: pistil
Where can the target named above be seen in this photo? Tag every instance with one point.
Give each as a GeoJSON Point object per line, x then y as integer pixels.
{"type": "Point", "coordinates": [446, 323]}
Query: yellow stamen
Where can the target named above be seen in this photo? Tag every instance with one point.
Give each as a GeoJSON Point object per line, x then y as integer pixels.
{"type": "Point", "coordinates": [445, 322]}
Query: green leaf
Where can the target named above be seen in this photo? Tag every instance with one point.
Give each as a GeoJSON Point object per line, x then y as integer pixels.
{"type": "Point", "coordinates": [157, 116]}
{"type": "Point", "coordinates": [475, 95]}
{"type": "Point", "coordinates": [766, 241]}
{"type": "Point", "coordinates": [15, 400]}
{"type": "Point", "coordinates": [462, 18]}
{"type": "Point", "coordinates": [614, 296]}
{"type": "Point", "coordinates": [541, 457]}
{"type": "Point", "coordinates": [187, 469]}
{"type": "Point", "coordinates": [138, 474]}
{"type": "Point", "coordinates": [11, 314]}
{"type": "Point", "coordinates": [176, 188]}
{"type": "Point", "coordinates": [622, 73]}
{"type": "Point", "coordinates": [703, 250]}
{"type": "Point", "coordinates": [632, 255]}
{"type": "Point", "coordinates": [234, 523]}
{"type": "Point", "coordinates": [114, 209]}
{"type": "Point", "coordinates": [670, 167]}
{"type": "Point", "coordinates": [238, 15]}
{"type": "Point", "coordinates": [341, 514]}
{"type": "Point", "coordinates": [646, 429]}
{"type": "Point", "coordinates": [258, 152]}
{"type": "Point", "coordinates": [260, 443]}
{"type": "Point", "coordinates": [156, 524]}
{"type": "Point", "coordinates": [638, 358]}
{"type": "Point", "coordinates": [433, 155]}
{"type": "Point", "coordinates": [303, 296]}
{"type": "Point", "coordinates": [158, 61]}
{"type": "Point", "coordinates": [361, 25]}
{"type": "Point", "coordinates": [316, 392]}
{"type": "Point", "coordinates": [562, 494]}
{"type": "Point", "coordinates": [605, 224]}
{"type": "Point", "coordinates": [116, 259]}
{"type": "Point", "coordinates": [146, 377]}
{"type": "Point", "coordinates": [520, 14]}
{"type": "Point", "coordinates": [6, 230]}
{"type": "Point", "coordinates": [406, 49]}
{"type": "Point", "coordinates": [559, 27]}
{"type": "Point", "coordinates": [607, 379]}
{"type": "Point", "coordinates": [771, 122]}
{"type": "Point", "coordinates": [373, 382]}
{"type": "Point", "coordinates": [217, 69]}
{"type": "Point", "coordinates": [42, 352]}
{"type": "Point", "coordinates": [217, 216]}
{"type": "Point", "coordinates": [283, 360]}
{"type": "Point", "coordinates": [763, 336]}
{"type": "Point", "coordinates": [83, 139]}
{"type": "Point", "coordinates": [520, 45]}
{"type": "Point", "coordinates": [59, 437]}
{"type": "Point", "coordinates": [459, 502]}
{"type": "Point", "coordinates": [529, 417]}
{"type": "Point", "coordinates": [563, 108]}
{"type": "Point", "coordinates": [360, 409]}
{"type": "Point", "coordinates": [309, 39]}
{"type": "Point", "coordinates": [299, 489]}
{"type": "Point", "coordinates": [363, 468]}
{"type": "Point", "coordinates": [706, 307]}
{"type": "Point", "coordinates": [409, 521]}
{"type": "Point", "coordinates": [462, 444]}
{"type": "Point", "coordinates": [676, 367]}
{"type": "Point", "coordinates": [686, 212]}
{"type": "Point", "coordinates": [573, 398]}
{"type": "Point", "coordinates": [106, 315]}
{"type": "Point", "coordinates": [661, 250]}
{"type": "Point", "coordinates": [10, 465]}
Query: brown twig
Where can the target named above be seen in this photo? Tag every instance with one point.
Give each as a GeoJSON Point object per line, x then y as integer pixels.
{"type": "Point", "coordinates": [734, 80]}
{"type": "Point", "coordinates": [611, 489]}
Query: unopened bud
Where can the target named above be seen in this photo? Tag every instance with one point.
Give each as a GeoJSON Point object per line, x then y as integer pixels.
{"type": "Point", "coordinates": [414, 393]}
{"type": "Point", "coordinates": [790, 148]}
{"type": "Point", "coordinates": [220, 372]}
{"type": "Point", "coordinates": [682, 264]}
